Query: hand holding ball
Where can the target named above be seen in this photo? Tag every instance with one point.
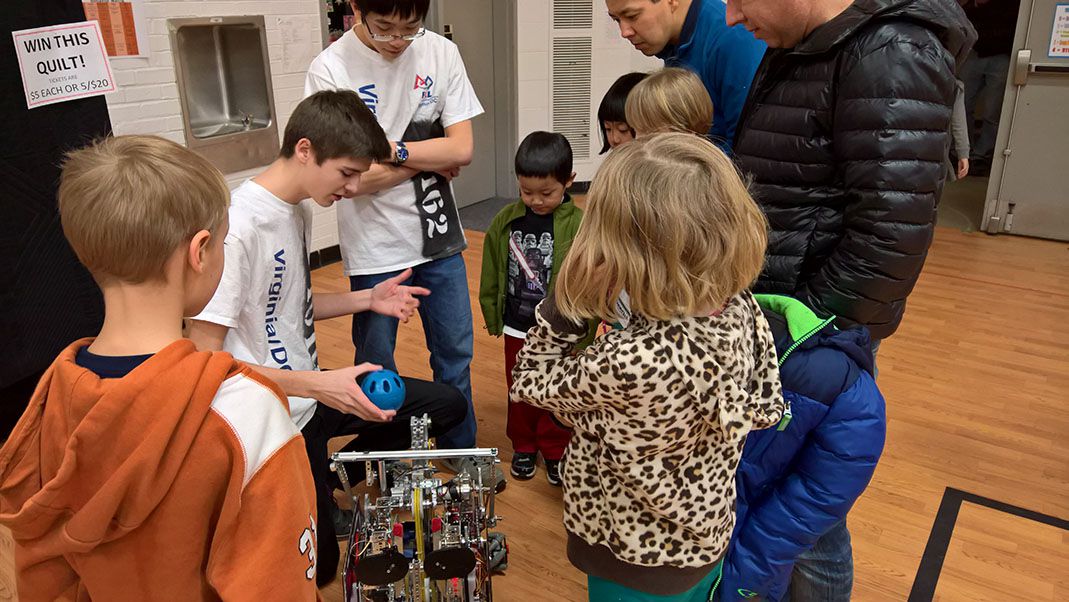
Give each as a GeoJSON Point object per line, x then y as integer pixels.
{"type": "Point", "coordinates": [384, 388]}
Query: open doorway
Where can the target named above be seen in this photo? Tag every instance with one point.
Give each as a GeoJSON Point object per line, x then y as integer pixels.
{"type": "Point", "coordinates": [484, 31]}
{"type": "Point", "coordinates": [982, 86]}
{"type": "Point", "coordinates": [1026, 194]}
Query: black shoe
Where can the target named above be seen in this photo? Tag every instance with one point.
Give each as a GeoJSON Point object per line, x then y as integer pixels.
{"type": "Point", "coordinates": [343, 522]}
{"type": "Point", "coordinates": [523, 465]}
{"type": "Point", "coordinates": [553, 472]}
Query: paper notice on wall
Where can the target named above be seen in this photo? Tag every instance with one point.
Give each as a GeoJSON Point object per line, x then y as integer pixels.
{"type": "Point", "coordinates": [1059, 35]}
{"type": "Point", "coordinates": [62, 62]}
{"type": "Point", "coordinates": [298, 49]}
{"type": "Point", "coordinates": [123, 25]}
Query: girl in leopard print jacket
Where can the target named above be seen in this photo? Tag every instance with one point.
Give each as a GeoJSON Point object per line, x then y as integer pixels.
{"type": "Point", "coordinates": [661, 408]}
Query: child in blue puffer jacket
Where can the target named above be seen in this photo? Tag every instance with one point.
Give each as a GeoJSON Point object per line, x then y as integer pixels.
{"type": "Point", "coordinates": [796, 482]}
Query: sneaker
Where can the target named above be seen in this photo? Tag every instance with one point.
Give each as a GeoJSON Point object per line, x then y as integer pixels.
{"type": "Point", "coordinates": [467, 465]}
{"type": "Point", "coordinates": [553, 472]}
{"type": "Point", "coordinates": [523, 465]}
{"type": "Point", "coordinates": [343, 522]}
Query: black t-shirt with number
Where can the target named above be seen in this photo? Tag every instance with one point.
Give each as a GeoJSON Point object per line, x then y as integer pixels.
{"type": "Point", "coordinates": [530, 264]}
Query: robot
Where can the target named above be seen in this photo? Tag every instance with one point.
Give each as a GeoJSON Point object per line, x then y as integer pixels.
{"type": "Point", "coordinates": [427, 537]}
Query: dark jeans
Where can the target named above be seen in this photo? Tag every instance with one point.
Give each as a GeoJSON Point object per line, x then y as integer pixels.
{"type": "Point", "coordinates": [446, 316]}
{"type": "Point", "coordinates": [826, 572]}
{"type": "Point", "coordinates": [443, 403]}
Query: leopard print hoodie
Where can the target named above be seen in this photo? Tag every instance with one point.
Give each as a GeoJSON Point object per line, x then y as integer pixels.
{"type": "Point", "coordinates": [661, 410]}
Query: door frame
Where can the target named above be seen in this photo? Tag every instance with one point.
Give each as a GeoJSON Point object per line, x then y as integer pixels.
{"type": "Point", "coordinates": [506, 96]}
{"type": "Point", "coordinates": [996, 209]}
{"type": "Point", "coordinates": [506, 85]}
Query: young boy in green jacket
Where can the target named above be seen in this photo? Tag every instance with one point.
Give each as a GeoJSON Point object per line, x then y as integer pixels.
{"type": "Point", "coordinates": [522, 252]}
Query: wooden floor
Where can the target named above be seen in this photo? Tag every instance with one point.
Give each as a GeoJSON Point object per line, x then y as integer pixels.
{"type": "Point", "coordinates": [994, 556]}
{"type": "Point", "coordinates": [977, 388]}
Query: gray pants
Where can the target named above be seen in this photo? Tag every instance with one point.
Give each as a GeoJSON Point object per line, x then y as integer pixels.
{"type": "Point", "coordinates": [985, 85]}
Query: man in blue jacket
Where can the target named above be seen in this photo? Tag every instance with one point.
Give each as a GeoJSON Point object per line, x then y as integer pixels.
{"type": "Point", "coordinates": [694, 34]}
{"type": "Point", "coordinates": [797, 482]}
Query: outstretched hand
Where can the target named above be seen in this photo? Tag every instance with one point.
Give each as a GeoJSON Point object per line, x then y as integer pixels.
{"type": "Point", "coordinates": [391, 298]}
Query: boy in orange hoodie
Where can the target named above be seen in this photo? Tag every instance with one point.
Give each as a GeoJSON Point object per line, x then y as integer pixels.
{"type": "Point", "coordinates": [142, 468]}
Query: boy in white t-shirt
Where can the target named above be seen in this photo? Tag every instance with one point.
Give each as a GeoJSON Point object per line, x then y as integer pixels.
{"type": "Point", "coordinates": [264, 311]}
{"type": "Point", "coordinates": [405, 216]}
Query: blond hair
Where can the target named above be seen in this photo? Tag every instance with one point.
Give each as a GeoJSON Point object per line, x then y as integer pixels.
{"type": "Point", "coordinates": [126, 203]}
{"type": "Point", "coordinates": [671, 99]}
{"type": "Point", "coordinates": [670, 221]}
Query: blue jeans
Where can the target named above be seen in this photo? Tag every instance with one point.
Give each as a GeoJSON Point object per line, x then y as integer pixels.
{"type": "Point", "coordinates": [826, 572]}
{"type": "Point", "coordinates": [875, 349]}
{"type": "Point", "coordinates": [446, 317]}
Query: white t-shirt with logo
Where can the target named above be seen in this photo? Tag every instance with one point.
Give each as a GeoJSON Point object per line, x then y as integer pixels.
{"type": "Point", "coordinates": [265, 294]}
{"type": "Point", "coordinates": [414, 97]}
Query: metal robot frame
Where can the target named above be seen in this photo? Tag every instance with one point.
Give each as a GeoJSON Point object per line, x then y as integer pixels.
{"type": "Point", "coordinates": [423, 539]}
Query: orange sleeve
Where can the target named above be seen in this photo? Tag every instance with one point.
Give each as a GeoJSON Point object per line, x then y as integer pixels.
{"type": "Point", "coordinates": [265, 544]}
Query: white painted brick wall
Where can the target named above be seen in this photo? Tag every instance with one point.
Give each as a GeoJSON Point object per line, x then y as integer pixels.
{"type": "Point", "coordinates": [612, 57]}
{"type": "Point", "coordinates": [146, 101]}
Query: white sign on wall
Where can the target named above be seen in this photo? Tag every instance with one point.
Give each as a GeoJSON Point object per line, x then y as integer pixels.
{"type": "Point", "coordinates": [62, 62]}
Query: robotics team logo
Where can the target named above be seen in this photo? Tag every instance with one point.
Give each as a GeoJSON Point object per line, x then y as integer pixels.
{"type": "Point", "coordinates": [426, 84]}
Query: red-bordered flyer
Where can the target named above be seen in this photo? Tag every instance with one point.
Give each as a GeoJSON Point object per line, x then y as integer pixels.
{"type": "Point", "coordinates": [62, 62]}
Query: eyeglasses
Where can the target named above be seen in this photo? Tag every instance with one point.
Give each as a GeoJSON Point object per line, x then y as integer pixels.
{"type": "Point", "coordinates": [389, 37]}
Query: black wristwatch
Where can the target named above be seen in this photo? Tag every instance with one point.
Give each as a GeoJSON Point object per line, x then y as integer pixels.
{"type": "Point", "coordinates": [401, 154]}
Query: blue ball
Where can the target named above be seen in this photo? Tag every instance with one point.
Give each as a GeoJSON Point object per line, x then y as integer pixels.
{"type": "Point", "coordinates": [384, 388]}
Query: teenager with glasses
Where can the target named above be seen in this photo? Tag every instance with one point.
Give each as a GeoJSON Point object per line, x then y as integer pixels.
{"type": "Point", "coordinates": [404, 215]}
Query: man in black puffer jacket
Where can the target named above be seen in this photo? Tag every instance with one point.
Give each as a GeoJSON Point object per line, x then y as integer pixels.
{"type": "Point", "coordinates": [845, 133]}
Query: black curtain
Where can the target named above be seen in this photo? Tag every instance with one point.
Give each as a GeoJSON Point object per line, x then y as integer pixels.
{"type": "Point", "coordinates": [47, 298]}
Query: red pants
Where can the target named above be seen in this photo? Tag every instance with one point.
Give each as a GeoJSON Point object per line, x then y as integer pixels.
{"type": "Point", "coordinates": [531, 429]}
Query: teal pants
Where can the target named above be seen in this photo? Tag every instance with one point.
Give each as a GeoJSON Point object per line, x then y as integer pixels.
{"type": "Point", "coordinates": [601, 590]}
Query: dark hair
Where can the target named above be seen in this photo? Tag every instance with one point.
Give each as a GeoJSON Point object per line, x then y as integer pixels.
{"type": "Point", "coordinates": [338, 124]}
{"type": "Point", "coordinates": [544, 154]}
{"type": "Point", "coordinates": [406, 9]}
{"type": "Point", "coordinates": [612, 104]}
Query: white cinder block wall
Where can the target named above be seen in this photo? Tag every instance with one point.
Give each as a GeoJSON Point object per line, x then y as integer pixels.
{"type": "Point", "coordinates": [146, 101]}
{"type": "Point", "coordinates": [612, 57]}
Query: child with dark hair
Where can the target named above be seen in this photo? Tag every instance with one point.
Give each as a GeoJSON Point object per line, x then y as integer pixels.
{"type": "Point", "coordinates": [415, 10]}
{"type": "Point", "coordinates": [615, 130]}
{"type": "Point", "coordinates": [522, 252]}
